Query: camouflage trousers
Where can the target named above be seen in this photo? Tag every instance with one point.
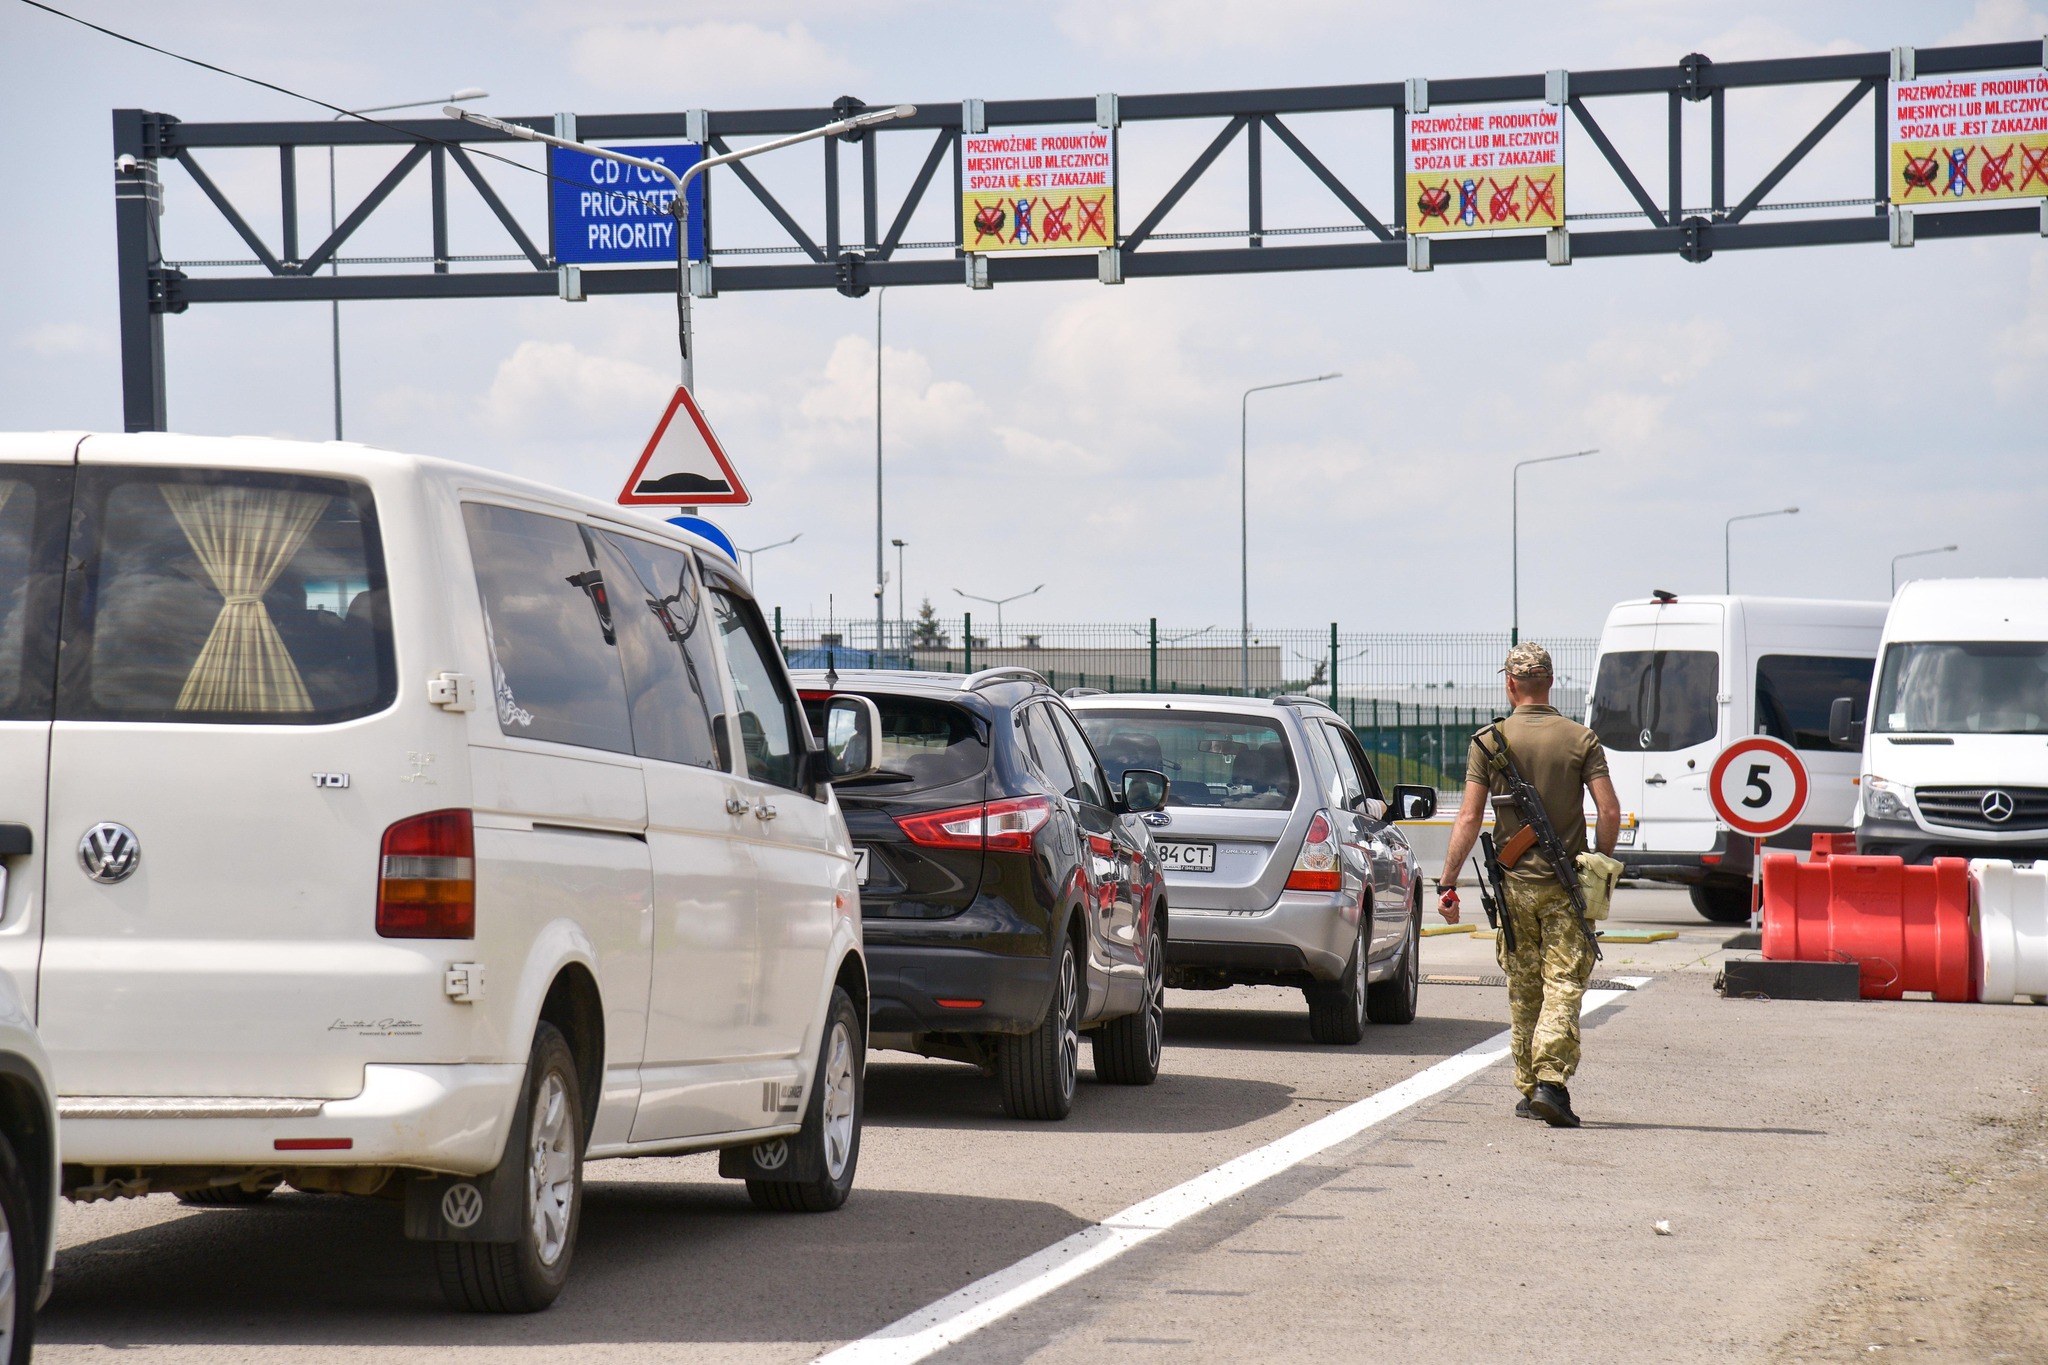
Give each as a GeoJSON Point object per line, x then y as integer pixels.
{"type": "Point", "coordinates": [1547, 974]}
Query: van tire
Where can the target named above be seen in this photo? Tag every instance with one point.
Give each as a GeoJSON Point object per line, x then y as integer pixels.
{"type": "Point", "coordinates": [519, 1277]}
{"type": "Point", "coordinates": [23, 1261]}
{"type": "Point", "coordinates": [1037, 1071]}
{"type": "Point", "coordinates": [1393, 1001]}
{"type": "Point", "coordinates": [1721, 902]}
{"type": "Point", "coordinates": [227, 1196]}
{"type": "Point", "coordinates": [1127, 1049]}
{"type": "Point", "coordinates": [1336, 1011]}
{"type": "Point", "coordinates": [830, 1136]}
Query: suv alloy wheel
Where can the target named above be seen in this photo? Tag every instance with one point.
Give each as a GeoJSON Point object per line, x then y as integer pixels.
{"type": "Point", "coordinates": [1037, 1071]}
{"type": "Point", "coordinates": [1393, 1001]}
{"type": "Point", "coordinates": [1336, 1012]}
{"type": "Point", "coordinates": [1127, 1049]}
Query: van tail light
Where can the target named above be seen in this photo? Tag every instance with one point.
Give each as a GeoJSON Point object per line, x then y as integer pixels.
{"type": "Point", "coordinates": [1316, 869]}
{"type": "Point", "coordinates": [1005, 826]}
{"type": "Point", "coordinates": [426, 883]}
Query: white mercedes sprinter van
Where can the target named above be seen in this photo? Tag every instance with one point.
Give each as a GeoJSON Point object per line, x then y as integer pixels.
{"type": "Point", "coordinates": [400, 828]}
{"type": "Point", "coordinates": [1955, 764]}
{"type": "Point", "coordinates": [1680, 679]}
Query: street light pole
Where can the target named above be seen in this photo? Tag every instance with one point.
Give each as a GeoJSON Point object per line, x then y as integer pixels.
{"type": "Point", "coordinates": [1244, 523]}
{"type": "Point", "coordinates": [679, 205]}
{"type": "Point", "coordinates": [1515, 537]}
{"type": "Point", "coordinates": [1914, 554]}
{"type": "Point", "coordinates": [1727, 566]}
{"type": "Point", "coordinates": [469, 92]}
{"type": "Point", "coordinates": [998, 603]}
{"type": "Point", "coordinates": [881, 569]}
{"type": "Point", "coordinates": [762, 548]}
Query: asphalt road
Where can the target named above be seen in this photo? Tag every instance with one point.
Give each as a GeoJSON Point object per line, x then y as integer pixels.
{"type": "Point", "coordinates": [1792, 1147]}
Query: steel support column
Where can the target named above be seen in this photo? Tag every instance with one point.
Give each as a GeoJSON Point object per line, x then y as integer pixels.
{"type": "Point", "coordinates": [138, 262]}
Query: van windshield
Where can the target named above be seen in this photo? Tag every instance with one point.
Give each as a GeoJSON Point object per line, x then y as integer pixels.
{"type": "Point", "coordinates": [1656, 700]}
{"type": "Point", "coordinates": [1982, 687]}
{"type": "Point", "coordinates": [1236, 762]}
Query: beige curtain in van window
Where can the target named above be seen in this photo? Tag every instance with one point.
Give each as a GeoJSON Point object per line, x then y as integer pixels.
{"type": "Point", "coordinates": [243, 538]}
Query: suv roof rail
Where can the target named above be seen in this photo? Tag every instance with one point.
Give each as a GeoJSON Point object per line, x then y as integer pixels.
{"type": "Point", "coordinates": [1297, 699]}
{"type": "Point", "coordinates": [988, 677]}
{"type": "Point", "coordinates": [1085, 692]}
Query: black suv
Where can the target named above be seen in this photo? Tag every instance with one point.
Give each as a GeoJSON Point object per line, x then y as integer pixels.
{"type": "Point", "coordinates": [1010, 897]}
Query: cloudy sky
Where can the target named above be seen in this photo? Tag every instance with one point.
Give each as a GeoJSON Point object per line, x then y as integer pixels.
{"type": "Point", "coordinates": [1086, 436]}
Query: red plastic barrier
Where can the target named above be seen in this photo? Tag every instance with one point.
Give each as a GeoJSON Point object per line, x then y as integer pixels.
{"type": "Point", "coordinates": [1909, 927]}
{"type": "Point", "coordinates": [1834, 845]}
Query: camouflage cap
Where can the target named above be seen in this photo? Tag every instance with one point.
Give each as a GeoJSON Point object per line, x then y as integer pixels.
{"type": "Point", "coordinates": [1527, 661]}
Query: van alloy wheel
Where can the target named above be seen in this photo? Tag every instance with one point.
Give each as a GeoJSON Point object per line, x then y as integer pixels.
{"type": "Point", "coordinates": [827, 1146]}
{"type": "Point", "coordinates": [839, 1097]}
{"type": "Point", "coordinates": [551, 1170]}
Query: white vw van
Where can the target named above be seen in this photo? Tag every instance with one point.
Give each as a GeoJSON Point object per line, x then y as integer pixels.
{"type": "Point", "coordinates": [1955, 764]}
{"type": "Point", "coordinates": [1679, 679]}
{"type": "Point", "coordinates": [395, 827]}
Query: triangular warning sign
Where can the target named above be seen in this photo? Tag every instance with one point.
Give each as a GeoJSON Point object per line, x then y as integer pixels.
{"type": "Point", "coordinates": [683, 463]}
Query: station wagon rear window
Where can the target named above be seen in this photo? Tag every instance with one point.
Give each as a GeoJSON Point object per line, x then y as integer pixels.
{"type": "Point", "coordinates": [224, 597]}
{"type": "Point", "coordinates": [1236, 762]}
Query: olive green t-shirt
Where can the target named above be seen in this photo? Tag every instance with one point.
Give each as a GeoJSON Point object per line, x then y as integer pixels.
{"type": "Point", "coordinates": [1560, 757]}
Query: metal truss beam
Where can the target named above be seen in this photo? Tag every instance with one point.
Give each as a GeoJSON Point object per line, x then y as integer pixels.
{"type": "Point", "coordinates": [152, 285]}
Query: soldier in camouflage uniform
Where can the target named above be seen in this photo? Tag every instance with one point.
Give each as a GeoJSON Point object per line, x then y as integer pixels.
{"type": "Point", "coordinates": [1552, 959]}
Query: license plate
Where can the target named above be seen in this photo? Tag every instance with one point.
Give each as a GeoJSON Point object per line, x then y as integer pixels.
{"type": "Point", "coordinates": [1187, 857]}
{"type": "Point", "coordinates": [1627, 836]}
{"type": "Point", "coordinates": [860, 865]}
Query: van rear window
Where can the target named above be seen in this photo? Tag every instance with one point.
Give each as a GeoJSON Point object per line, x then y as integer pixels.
{"type": "Point", "coordinates": [34, 506]}
{"type": "Point", "coordinates": [1656, 700]}
{"type": "Point", "coordinates": [224, 597]}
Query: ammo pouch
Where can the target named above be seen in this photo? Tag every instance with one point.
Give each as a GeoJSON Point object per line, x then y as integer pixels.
{"type": "Point", "coordinates": [1597, 875]}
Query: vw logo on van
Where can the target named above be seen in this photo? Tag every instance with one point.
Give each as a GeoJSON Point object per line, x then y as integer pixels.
{"type": "Point", "coordinates": [1997, 806]}
{"type": "Point", "coordinates": [462, 1206]}
{"type": "Point", "coordinates": [109, 852]}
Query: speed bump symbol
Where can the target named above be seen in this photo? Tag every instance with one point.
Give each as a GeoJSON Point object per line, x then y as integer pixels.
{"type": "Point", "coordinates": [462, 1206]}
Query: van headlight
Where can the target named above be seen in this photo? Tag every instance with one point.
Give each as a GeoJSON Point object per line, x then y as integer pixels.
{"type": "Point", "coordinates": [1884, 800]}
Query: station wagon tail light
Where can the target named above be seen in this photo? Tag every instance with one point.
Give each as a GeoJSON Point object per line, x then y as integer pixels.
{"type": "Point", "coordinates": [1316, 868]}
{"type": "Point", "coordinates": [426, 885]}
{"type": "Point", "coordinates": [1005, 826]}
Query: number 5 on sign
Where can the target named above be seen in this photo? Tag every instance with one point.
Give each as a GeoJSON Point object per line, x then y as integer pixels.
{"type": "Point", "coordinates": [1758, 786]}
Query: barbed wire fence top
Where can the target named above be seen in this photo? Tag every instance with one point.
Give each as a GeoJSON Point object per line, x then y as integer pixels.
{"type": "Point", "coordinates": [1412, 697]}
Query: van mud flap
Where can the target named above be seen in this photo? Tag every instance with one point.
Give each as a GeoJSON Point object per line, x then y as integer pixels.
{"type": "Point", "coordinates": [474, 1208]}
{"type": "Point", "coordinates": [783, 1158]}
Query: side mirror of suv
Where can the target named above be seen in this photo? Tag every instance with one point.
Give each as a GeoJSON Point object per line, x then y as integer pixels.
{"type": "Point", "coordinates": [1144, 789]}
{"type": "Point", "coordinates": [853, 729]}
{"type": "Point", "coordinates": [1844, 730]}
{"type": "Point", "coordinates": [1413, 802]}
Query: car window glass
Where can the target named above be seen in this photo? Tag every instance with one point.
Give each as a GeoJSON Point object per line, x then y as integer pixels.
{"type": "Point", "coordinates": [1795, 693]}
{"type": "Point", "coordinates": [549, 623]}
{"type": "Point", "coordinates": [1964, 687]}
{"type": "Point", "coordinates": [33, 505]}
{"type": "Point", "coordinates": [1319, 744]}
{"type": "Point", "coordinates": [924, 744]}
{"type": "Point", "coordinates": [1093, 786]}
{"type": "Point", "coordinates": [665, 644]}
{"type": "Point", "coordinates": [1345, 740]}
{"type": "Point", "coordinates": [1045, 748]}
{"type": "Point", "coordinates": [768, 729]}
{"type": "Point", "coordinates": [1347, 765]}
{"type": "Point", "coordinates": [1656, 701]}
{"type": "Point", "coordinates": [1209, 758]}
{"type": "Point", "coordinates": [224, 597]}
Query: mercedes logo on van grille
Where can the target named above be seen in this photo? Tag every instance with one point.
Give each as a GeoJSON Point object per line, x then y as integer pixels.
{"type": "Point", "coordinates": [1997, 806]}
{"type": "Point", "coordinates": [109, 852]}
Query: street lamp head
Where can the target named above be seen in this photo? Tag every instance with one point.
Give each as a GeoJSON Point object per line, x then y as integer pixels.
{"type": "Point", "coordinates": [1790, 511]}
{"type": "Point", "coordinates": [470, 92]}
{"type": "Point", "coordinates": [899, 544]}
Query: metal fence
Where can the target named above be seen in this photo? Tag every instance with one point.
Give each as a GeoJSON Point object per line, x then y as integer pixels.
{"type": "Point", "coordinates": [1413, 699]}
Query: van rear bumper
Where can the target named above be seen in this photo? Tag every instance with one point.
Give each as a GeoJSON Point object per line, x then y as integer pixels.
{"type": "Point", "coordinates": [440, 1118]}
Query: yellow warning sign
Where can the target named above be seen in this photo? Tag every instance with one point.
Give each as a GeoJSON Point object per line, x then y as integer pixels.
{"type": "Point", "coordinates": [1968, 139]}
{"type": "Point", "coordinates": [1500, 168]}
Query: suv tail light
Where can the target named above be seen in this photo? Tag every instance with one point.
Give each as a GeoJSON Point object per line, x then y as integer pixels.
{"type": "Point", "coordinates": [426, 883]}
{"type": "Point", "coordinates": [1006, 826]}
{"type": "Point", "coordinates": [1316, 869]}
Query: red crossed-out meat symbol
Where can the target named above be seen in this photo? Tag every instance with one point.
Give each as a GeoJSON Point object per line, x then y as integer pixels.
{"type": "Point", "coordinates": [1919, 173]}
{"type": "Point", "coordinates": [1500, 205]}
{"type": "Point", "coordinates": [1092, 224]}
{"type": "Point", "coordinates": [988, 220]}
{"type": "Point", "coordinates": [1542, 197]}
{"type": "Point", "coordinates": [2033, 166]}
{"type": "Point", "coordinates": [1996, 176]}
{"type": "Point", "coordinates": [1435, 202]}
{"type": "Point", "coordinates": [1054, 225]}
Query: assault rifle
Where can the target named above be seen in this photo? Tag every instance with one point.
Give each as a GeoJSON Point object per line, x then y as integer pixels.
{"type": "Point", "coordinates": [1528, 804]}
{"type": "Point", "coordinates": [1493, 893]}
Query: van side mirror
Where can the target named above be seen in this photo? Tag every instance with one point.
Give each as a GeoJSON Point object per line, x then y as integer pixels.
{"type": "Point", "coordinates": [1144, 790]}
{"type": "Point", "coordinates": [853, 730]}
{"type": "Point", "coordinates": [1414, 802]}
{"type": "Point", "coordinates": [1844, 730]}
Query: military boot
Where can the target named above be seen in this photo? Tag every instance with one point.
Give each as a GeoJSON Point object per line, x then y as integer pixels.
{"type": "Point", "coordinates": [1522, 1109]}
{"type": "Point", "coordinates": [1553, 1104]}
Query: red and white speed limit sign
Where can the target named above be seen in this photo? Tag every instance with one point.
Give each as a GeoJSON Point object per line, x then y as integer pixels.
{"type": "Point", "coordinates": [1758, 785]}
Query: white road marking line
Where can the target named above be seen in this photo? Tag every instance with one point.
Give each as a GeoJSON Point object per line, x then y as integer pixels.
{"type": "Point", "coordinates": [936, 1326]}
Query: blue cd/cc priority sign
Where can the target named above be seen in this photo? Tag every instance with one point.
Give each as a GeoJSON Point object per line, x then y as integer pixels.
{"type": "Point", "coordinates": [604, 212]}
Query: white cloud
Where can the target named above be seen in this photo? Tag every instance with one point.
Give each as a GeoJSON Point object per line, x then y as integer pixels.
{"type": "Point", "coordinates": [547, 385]}
{"type": "Point", "coordinates": [1999, 21]}
{"type": "Point", "coordinates": [714, 57]}
{"type": "Point", "coordinates": [67, 339]}
{"type": "Point", "coordinates": [1181, 28]}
